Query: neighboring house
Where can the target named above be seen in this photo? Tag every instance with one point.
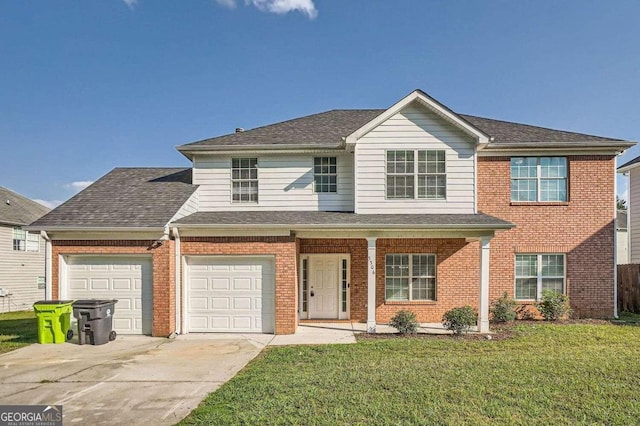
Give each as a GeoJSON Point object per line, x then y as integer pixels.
{"type": "Point", "coordinates": [22, 253]}
{"type": "Point", "coordinates": [632, 170]}
{"type": "Point", "coordinates": [622, 238]}
{"type": "Point", "coordinates": [346, 214]}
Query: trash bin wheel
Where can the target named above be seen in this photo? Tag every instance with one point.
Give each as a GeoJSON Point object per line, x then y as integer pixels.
{"type": "Point", "coordinates": [112, 336]}
{"type": "Point", "coordinates": [69, 334]}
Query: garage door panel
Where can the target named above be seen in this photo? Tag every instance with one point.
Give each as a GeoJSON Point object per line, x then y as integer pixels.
{"type": "Point", "coordinates": [235, 294]}
{"type": "Point", "coordinates": [127, 279]}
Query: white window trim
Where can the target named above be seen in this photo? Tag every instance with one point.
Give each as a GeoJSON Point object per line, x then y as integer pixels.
{"type": "Point", "coordinates": [539, 180]}
{"type": "Point", "coordinates": [539, 276]}
{"type": "Point", "coordinates": [26, 240]}
{"type": "Point", "coordinates": [411, 299]}
{"type": "Point", "coordinates": [416, 175]}
{"type": "Point", "coordinates": [325, 174]}
{"type": "Point", "coordinates": [257, 180]}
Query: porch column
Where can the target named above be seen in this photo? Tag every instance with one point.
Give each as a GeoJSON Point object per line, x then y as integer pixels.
{"type": "Point", "coordinates": [371, 285]}
{"type": "Point", "coordinates": [483, 308]}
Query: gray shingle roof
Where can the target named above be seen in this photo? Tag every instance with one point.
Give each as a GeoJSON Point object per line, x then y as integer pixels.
{"type": "Point", "coordinates": [18, 210]}
{"type": "Point", "coordinates": [327, 130]}
{"type": "Point", "coordinates": [631, 162]}
{"type": "Point", "coordinates": [311, 219]}
{"type": "Point", "coordinates": [125, 197]}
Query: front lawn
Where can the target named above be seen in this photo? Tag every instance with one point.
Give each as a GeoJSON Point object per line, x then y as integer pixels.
{"type": "Point", "coordinates": [542, 374]}
{"type": "Point", "coordinates": [17, 329]}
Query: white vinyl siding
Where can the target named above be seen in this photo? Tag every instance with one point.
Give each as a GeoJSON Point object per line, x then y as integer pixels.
{"type": "Point", "coordinates": [286, 182]}
{"type": "Point", "coordinates": [415, 129]}
{"type": "Point", "coordinates": [634, 215]}
{"type": "Point", "coordinates": [189, 207]}
{"type": "Point", "coordinates": [19, 272]}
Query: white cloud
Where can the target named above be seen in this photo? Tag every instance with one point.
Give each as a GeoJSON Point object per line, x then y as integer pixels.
{"type": "Point", "coordinates": [231, 4]}
{"type": "Point", "coordinates": [280, 7]}
{"type": "Point", "coordinates": [52, 204]}
{"type": "Point", "coordinates": [78, 185]}
{"type": "Point", "coordinates": [131, 3]}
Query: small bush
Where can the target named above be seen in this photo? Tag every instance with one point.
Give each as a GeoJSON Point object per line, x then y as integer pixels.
{"type": "Point", "coordinates": [405, 322]}
{"type": "Point", "coordinates": [554, 306]}
{"type": "Point", "coordinates": [460, 320]}
{"type": "Point", "coordinates": [503, 309]}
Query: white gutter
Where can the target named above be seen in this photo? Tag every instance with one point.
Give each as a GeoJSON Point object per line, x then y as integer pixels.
{"type": "Point", "coordinates": [178, 264]}
{"type": "Point", "coordinates": [48, 266]}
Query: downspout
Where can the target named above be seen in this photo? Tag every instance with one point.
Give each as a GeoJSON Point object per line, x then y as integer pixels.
{"type": "Point", "coordinates": [615, 241]}
{"type": "Point", "coordinates": [178, 281]}
{"type": "Point", "coordinates": [48, 267]}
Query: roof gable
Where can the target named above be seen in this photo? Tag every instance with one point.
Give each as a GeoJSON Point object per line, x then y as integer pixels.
{"type": "Point", "coordinates": [421, 98]}
{"type": "Point", "coordinates": [18, 210]}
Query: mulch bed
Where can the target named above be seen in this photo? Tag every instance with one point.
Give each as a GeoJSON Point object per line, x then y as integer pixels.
{"type": "Point", "coordinates": [499, 331]}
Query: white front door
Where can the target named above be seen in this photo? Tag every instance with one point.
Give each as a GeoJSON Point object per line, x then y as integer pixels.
{"type": "Point", "coordinates": [323, 289]}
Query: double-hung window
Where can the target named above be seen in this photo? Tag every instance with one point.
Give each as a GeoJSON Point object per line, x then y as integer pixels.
{"type": "Point", "coordinates": [421, 169]}
{"type": "Point", "coordinates": [536, 273]}
{"type": "Point", "coordinates": [325, 174]}
{"type": "Point", "coordinates": [25, 241]}
{"type": "Point", "coordinates": [538, 179]}
{"type": "Point", "coordinates": [244, 180]}
{"type": "Point", "coordinates": [410, 277]}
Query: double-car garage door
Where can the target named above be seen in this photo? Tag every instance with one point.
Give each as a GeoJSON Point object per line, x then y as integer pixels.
{"type": "Point", "coordinates": [222, 294]}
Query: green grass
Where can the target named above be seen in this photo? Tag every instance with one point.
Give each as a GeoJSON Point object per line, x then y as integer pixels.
{"type": "Point", "coordinates": [17, 329]}
{"type": "Point", "coordinates": [543, 374]}
{"type": "Point", "coordinates": [629, 317]}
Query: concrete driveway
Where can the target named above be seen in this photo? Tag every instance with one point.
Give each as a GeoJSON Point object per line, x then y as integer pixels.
{"type": "Point", "coordinates": [133, 380]}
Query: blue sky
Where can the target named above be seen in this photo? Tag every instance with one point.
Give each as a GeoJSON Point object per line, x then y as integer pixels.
{"type": "Point", "coordinates": [86, 86]}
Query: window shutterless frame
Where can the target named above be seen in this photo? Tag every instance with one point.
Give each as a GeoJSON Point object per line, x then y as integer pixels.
{"type": "Point", "coordinates": [424, 173]}
{"type": "Point", "coordinates": [539, 277]}
{"type": "Point", "coordinates": [325, 175]}
{"type": "Point", "coordinates": [539, 179]}
{"type": "Point", "coordinates": [419, 279]}
{"type": "Point", "coordinates": [244, 180]}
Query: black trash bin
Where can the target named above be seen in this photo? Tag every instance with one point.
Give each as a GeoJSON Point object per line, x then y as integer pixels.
{"type": "Point", "coordinates": [95, 320]}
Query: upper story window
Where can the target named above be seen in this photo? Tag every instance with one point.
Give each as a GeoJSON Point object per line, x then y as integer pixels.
{"type": "Point", "coordinates": [536, 273]}
{"type": "Point", "coordinates": [421, 169]}
{"type": "Point", "coordinates": [325, 174]}
{"type": "Point", "coordinates": [538, 179]}
{"type": "Point", "coordinates": [244, 180]}
{"type": "Point", "coordinates": [410, 277]}
{"type": "Point", "coordinates": [25, 241]}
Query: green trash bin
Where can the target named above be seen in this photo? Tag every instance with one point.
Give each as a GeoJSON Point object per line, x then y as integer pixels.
{"type": "Point", "coordinates": [54, 320]}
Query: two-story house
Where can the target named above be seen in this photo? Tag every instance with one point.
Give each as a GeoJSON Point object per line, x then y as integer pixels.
{"type": "Point", "coordinates": [345, 215]}
{"type": "Point", "coordinates": [22, 254]}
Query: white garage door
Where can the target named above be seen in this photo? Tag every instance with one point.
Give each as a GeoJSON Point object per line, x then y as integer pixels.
{"type": "Point", "coordinates": [230, 294]}
{"type": "Point", "coordinates": [126, 278]}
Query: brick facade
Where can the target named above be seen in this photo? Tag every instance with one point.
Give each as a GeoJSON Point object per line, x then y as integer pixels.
{"type": "Point", "coordinates": [163, 262]}
{"type": "Point", "coordinates": [582, 228]}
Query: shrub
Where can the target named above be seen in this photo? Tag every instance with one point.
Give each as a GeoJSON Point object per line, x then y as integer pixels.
{"type": "Point", "coordinates": [460, 320]}
{"type": "Point", "coordinates": [553, 306]}
{"type": "Point", "coordinates": [503, 309]}
{"type": "Point", "coordinates": [405, 321]}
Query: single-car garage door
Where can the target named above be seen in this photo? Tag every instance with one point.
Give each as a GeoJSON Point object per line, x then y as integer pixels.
{"type": "Point", "coordinates": [126, 278]}
{"type": "Point", "coordinates": [230, 294]}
